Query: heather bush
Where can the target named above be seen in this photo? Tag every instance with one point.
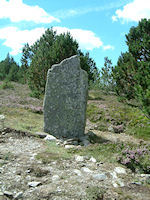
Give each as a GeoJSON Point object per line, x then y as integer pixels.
{"type": "Point", "coordinates": [34, 109]}
{"type": "Point", "coordinates": [136, 158]}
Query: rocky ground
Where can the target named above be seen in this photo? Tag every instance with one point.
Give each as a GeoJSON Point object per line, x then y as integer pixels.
{"type": "Point", "coordinates": [23, 176]}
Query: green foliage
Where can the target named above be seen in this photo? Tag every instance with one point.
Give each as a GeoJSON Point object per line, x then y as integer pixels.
{"type": "Point", "coordinates": [48, 50]}
{"type": "Point", "coordinates": [124, 75]}
{"type": "Point", "coordinates": [103, 79]}
{"type": "Point", "coordinates": [9, 69]}
{"type": "Point", "coordinates": [138, 41]}
{"type": "Point", "coordinates": [6, 85]}
{"type": "Point", "coordinates": [106, 77]}
{"type": "Point", "coordinates": [132, 73]}
{"type": "Point", "coordinates": [89, 66]}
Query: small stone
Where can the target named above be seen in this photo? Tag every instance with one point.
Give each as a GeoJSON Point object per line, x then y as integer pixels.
{"type": "Point", "coordinates": [8, 194]}
{"type": "Point", "coordinates": [34, 184]}
{"type": "Point", "coordinates": [137, 183]}
{"type": "Point", "coordinates": [114, 175]}
{"type": "Point", "coordinates": [69, 146]}
{"type": "Point", "coordinates": [18, 195]}
{"type": "Point", "coordinates": [87, 170]}
{"type": "Point", "coordinates": [110, 128]}
{"type": "Point", "coordinates": [92, 159]}
{"type": "Point", "coordinates": [85, 143]}
{"type": "Point", "coordinates": [78, 172]}
{"type": "Point", "coordinates": [41, 134]}
{"type": "Point", "coordinates": [50, 138]}
{"type": "Point", "coordinates": [79, 158]}
{"type": "Point", "coordinates": [117, 183]}
{"type": "Point", "coordinates": [55, 178]}
{"type": "Point", "coordinates": [100, 177]}
{"type": "Point", "coordinates": [2, 117]}
{"type": "Point", "coordinates": [120, 170]}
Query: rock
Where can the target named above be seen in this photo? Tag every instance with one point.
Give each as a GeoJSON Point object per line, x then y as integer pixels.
{"type": "Point", "coordinates": [87, 170]}
{"type": "Point", "coordinates": [8, 194]}
{"type": "Point", "coordinates": [41, 134]}
{"type": "Point", "coordinates": [100, 177]}
{"type": "Point", "coordinates": [117, 183]}
{"type": "Point", "coordinates": [71, 142]}
{"type": "Point", "coordinates": [110, 128]}
{"type": "Point", "coordinates": [114, 175]}
{"type": "Point", "coordinates": [137, 183]}
{"type": "Point", "coordinates": [18, 195]}
{"type": "Point", "coordinates": [92, 159]}
{"type": "Point", "coordinates": [50, 138]}
{"type": "Point", "coordinates": [78, 172]}
{"type": "Point", "coordinates": [55, 178]}
{"type": "Point", "coordinates": [69, 146]}
{"type": "Point", "coordinates": [79, 158]}
{"type": "Point", "coordinates": [85, 142]}
{"type": "Point", "coordinates": [66, 99]}
{"type": "Point", "coordinates": [120, 170]}
{"type": "Point", "coordinates": [34, 184]}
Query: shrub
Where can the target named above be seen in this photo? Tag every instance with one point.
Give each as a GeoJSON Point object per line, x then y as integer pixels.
{"type": "Point", "coordinates": [136, 159]}
{"type": "Point", "coordinates": [6, 85]}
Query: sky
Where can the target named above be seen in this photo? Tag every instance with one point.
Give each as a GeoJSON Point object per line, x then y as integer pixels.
{"type": "Point", "coordinates": [99, 26]}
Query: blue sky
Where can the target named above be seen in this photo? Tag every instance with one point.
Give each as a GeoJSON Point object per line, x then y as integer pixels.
{"type": "Point", "coordinates": [99, 26]}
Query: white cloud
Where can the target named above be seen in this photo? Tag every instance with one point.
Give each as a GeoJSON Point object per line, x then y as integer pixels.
{"type": "Point", "coordinates": [17, 11]}
{"type": "Point", "coordinates": [134, 11]}
{"type": "Point", "coordinates": [15, 38]}
{"type": "Point", "coordinates": [86, 39]}
{"type": "Point", "coordinates": [107, 47]}
{"type": "Point", "coordinates": [66, 13]}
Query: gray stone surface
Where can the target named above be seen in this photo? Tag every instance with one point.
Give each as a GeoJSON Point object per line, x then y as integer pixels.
{"type": "Point", "coordinates": [66, 99]}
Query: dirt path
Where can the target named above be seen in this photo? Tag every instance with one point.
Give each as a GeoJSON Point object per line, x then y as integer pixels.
{"type": "Point", "coordinates": [114, 137]}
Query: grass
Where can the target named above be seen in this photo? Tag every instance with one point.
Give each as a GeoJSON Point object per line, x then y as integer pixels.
{"type": "Point", "coordinates": [53, 152]}
{"type": "Point", "coordinates": [95, 192]}
{"type": "Point", "coordinates": [22, 119]}
{"type": "Point", "coordinates": [105, 152]}
{"type": "Point", "coordinates": [102, 150]}
{"type": "Point", "coordinates": [117, 113]}
{"type": "Point", "coordinates": [95, 95]}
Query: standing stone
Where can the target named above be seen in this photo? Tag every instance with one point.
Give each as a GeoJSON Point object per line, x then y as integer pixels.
{"type": "Point", "coordinates": [66, 99]}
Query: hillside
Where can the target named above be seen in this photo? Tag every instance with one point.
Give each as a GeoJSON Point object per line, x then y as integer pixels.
{"type": "Point", "coordinates": [113, 165]}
